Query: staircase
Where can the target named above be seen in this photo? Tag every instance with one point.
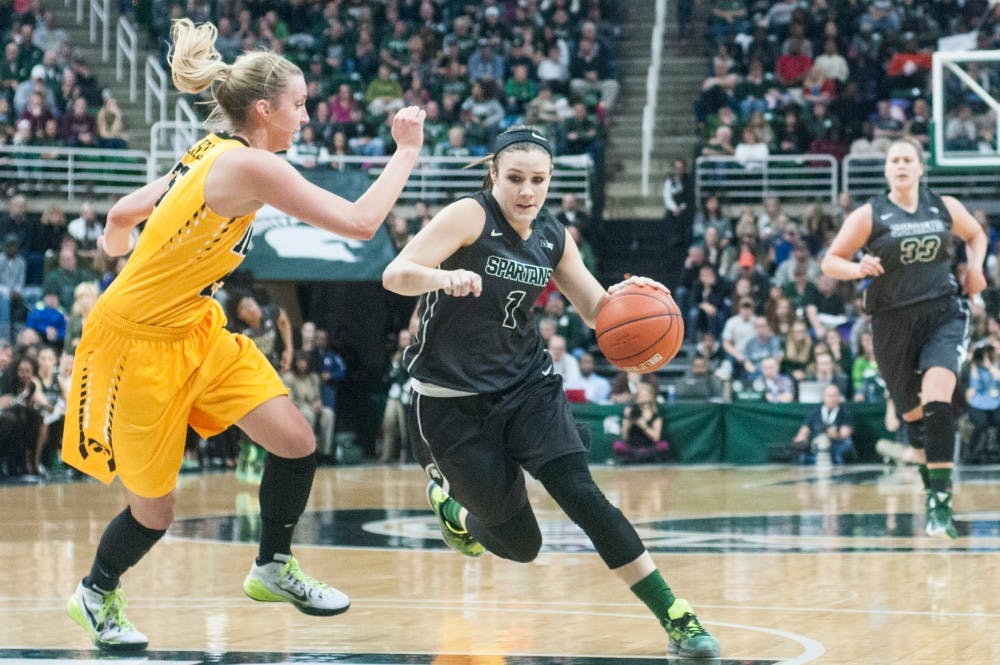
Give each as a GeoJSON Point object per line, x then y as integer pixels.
{"type": "Point", "coordinates": [683, 70]}
{"type": "Point", "coordinates": [79, 39]}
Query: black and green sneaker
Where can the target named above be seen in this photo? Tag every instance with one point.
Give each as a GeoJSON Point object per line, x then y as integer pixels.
{"type": "Point", "coordinates": [687, 638]}
{"type": "Point", "coordinates": [454, 536]}
{"type": "Point", "coordinates": [940, 520]}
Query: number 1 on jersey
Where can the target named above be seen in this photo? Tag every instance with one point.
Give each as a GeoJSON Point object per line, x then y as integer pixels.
{"type": "Point", "coordinates": [514, 300]}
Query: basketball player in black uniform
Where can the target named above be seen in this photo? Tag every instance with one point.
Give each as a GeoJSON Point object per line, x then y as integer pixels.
{"type": "Point", "coordinates": [486, 403]}
{"type": "Point", "coordinates": [920, 322]}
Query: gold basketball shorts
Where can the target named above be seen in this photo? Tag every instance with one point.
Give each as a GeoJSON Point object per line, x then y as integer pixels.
{"type": "Point", "coordinates": [136, 388]}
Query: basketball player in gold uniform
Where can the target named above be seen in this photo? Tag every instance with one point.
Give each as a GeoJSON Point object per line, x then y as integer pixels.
{"type": "Point", "coordinates": [155, 356]}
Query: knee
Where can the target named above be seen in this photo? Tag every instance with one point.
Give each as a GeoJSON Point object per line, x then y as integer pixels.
{"type": "Point", "coordinates": [155, 514]}
{"type": "Point", "coordinates": [527, 548]}
{"type": "Point", "coordinates": [301, 440]}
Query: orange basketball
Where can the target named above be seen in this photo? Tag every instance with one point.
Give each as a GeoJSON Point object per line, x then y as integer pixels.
{"type": "Point", "coordinates": [640, 328]}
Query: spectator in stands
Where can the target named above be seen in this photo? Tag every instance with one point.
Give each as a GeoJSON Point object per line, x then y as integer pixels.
{"type": "Point", "coordinates": [779, 313]}
{"type": "Point", "coordinates": [394, 429]}
{"type": "Point", "coordinates": [86, 229]}
{"type": "Point", "coordinates": [48, 319]}
{"type": "Point", "coordinates": [737, 331]}
{"type": "Point", "coordinates": [36, 114]}
{"type": "Point", "coordinates": [918, 125]}
{"type": "Point", "coordinates": [65, 276]}
{"type": "Point", "coordinates": [306, 154]}
{"type": "Point", "coordinates": [111, 125]}
{"type": "Point", "coordinates": [717, 91]}
{"type": "Point", "coordinates": [825, 371]}
{"type": "Point", "coordinates": [678, 200]}
{"type": "Point", "coordinates": [764, 344]}
{"type": "Point", "coordinates": [484, 113]}
{"type": "Point", "coordinates": [746, 267]}
{"type": "Point", "coordinates": [642, 429]}
{"type": "Point", "coordinates": [519, 90]}
{"type": "Point", "coordinates": [48, 36]}
{"type": "Point", "coordinates": [706, 309]}
{"type": "Point", "coordinates": [785, 273]}
{"type": "Point", "coordinates": [887, 121]}
{"type": "Point", "coordinates": [798, 352]}
{"type": "Point", "coordinates": [728, 19]}
{"type": "Point", "coordinates": [84, 297]}
{"type": "Point", "coordinates": [17, 220]}
{"type": "Point", "coordinates": [35, 84]}
{"type": "Point", "coordinates": [792, 136]}
{"type": "Point", "coordinates": [982, 395]}
{"type": "Point", "coordinates": [485, 64]}
{"type": "Point", "coordinates": [12, 71]}
{"type": "Point", "coordinates": [827, 429]}
{"type": "Point", "coordinates": [79, 129]}
{"type": "Point", "coordinates": [793, 65]}
{"type": "Point", "coordinates": [865, 373]}
{"type": "Point", "coordinates": [960, 130]}
{"type": "Point", "coordinates": [828, 311]}
{"type": "Point", "coordinates": [563, 363]}
{"type": "Point", "coordinates": [801, 291]}
{"type": "Point", "coordinates": [87, 83]}
{"type": "Point", "coordinates": [840, 351]}
{"type": "Point", "coordinates": [832, 63]}
{"type": "Point", "coordinates": [596, 388]}
{"type": "Point", "coordinates": [775, 386]}
{"type": "Point", "coordinates": [720, 145]}
{"type": "Point", "coordinates": [553, 69]}
{"type": "Point", "coordinates": [818, 88]}
{"type": "Point", "coordinates": [569, 325]}
{"type": "Point", "coordinates": [591, 80]}
{"type": "Point", "coordinates": [851, 109]}
{"type": "Point", "coordinates": [13, 269]}
{"type": "Point", "coordinates": [455, 146]}
{"type": "Point", "coordinates": [579, 132]}
{"type": "Point", "coordinates": [751, 152]}
{"type": "Point", "coordinates": [384, 93]}
{"type": "Point", "coordinates": [304, 390]}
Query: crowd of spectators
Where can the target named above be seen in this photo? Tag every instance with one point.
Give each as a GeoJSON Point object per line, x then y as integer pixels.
{"type": "Point", "coordinates": [838, 77]}
{"type": "Point", "coordinates": [476, 67]}
{"type": "Point", "coordinates": [48, 95]}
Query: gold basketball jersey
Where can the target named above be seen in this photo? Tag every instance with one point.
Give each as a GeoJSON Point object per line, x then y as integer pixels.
{"type": "Point", "coordinates": [185, 249]}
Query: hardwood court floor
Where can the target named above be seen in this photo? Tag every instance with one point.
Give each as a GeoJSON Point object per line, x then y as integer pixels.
{"type": "Point", "coordinates": [783, 564]}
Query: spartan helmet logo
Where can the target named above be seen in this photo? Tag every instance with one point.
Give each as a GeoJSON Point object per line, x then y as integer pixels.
{"type": "Point", "coordinates": [100, 449]}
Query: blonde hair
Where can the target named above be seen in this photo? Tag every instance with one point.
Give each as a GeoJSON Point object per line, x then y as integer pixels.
{"type": "Point", "coordinates": [82, 288]}
{"type": "Point", "coordinates": [909, 140]}
{"type": "Point", "coordinates": [196, 66]}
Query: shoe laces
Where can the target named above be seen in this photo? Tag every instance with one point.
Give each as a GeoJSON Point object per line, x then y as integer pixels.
{"type": "Point", "coordinates": [112, 612]}
{"type": "Point", "coordinates": [689, 625]}
{"type": "Point", "coordinates": [295, 576]}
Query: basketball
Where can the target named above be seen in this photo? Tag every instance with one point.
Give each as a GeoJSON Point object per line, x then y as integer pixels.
{"type": "Point", "coordinates": [640, 328]}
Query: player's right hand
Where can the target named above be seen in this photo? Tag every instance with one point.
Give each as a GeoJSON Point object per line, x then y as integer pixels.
{"type": "Point", "coordinates": [461, 283]}
{"type": "Point", "coordinates": [408, 127]}
{"type": "Point", "coordinates": [870, 266]}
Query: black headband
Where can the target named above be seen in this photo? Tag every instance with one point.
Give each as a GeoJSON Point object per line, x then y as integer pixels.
{"type": "Point", "coordinates": [521, 136]}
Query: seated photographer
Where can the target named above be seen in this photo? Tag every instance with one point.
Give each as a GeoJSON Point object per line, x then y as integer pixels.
{"type": "Point", "coordinates": [642, 426]}
{"type": "Point", "coordinates": [827, 429]}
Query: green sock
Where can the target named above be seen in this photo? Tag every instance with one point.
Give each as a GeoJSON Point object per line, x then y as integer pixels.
{"type": "Point", "coordinates": [654, 592]}
{"type": "Point", "coordinates": [940, 479]}
{"type": "Point", "coordinates": [452, 511]}
{"type": "Point", "coordinates": [925, 476]}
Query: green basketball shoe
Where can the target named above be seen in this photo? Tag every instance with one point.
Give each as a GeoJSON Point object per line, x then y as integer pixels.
{"type": "Point", "coordinates": [102, 615]}
{"type": "Point", "coordinates": [940, 515]}
{"type": "Point", "coordinates": [454, 536]}
{"type": "Point", "coordinates": [687, 638]}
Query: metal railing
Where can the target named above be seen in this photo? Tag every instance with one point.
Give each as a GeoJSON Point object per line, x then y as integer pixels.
{"type": "Point", "coordinates": [156, 89]}
{"type": "Point", "coordinates": [100, 10]}
{"type": "Point", "coordinates": [793, 178]}
{"type": "Point", "coordinates": [863, 177]}
{"type": "Point", "coordinates": [72, 172]}
{"type": "Point", "coordinates": [652, 91]}
{"type": "Point", "coordinates": [434, 179]}
{"type": "Point", "coordinates": [127, 49]}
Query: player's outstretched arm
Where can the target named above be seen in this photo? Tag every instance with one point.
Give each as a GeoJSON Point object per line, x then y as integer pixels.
{"type": "Point", "coordinates": [127, 212]}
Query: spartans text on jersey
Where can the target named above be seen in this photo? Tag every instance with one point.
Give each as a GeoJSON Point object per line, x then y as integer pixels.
{"type": "Point", "coordinates": [497, 266]}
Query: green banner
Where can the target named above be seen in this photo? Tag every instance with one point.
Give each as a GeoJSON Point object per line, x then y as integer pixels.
{"type": "Point", "coordinates": [285, 249]}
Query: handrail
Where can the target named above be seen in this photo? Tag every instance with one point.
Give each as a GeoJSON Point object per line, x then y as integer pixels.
{"type": "Point", "coordinates": [156, 87]}
{"type": "Point", "coordinates": [805, 177]}
{"type": "Point", "coordinates": [75, 172]}
{"type": "Point", "coordinates": [126, 48]}
{"type": "Point", "coordinates": [100, 10]}
{"type": "Point", "coordinates": [652, 91]}
{"type": "Point", "coordinates": [435, 179]}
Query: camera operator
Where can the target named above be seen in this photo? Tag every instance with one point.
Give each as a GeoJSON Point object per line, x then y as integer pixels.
{"type": "Point", "coordinates": [642, 427]}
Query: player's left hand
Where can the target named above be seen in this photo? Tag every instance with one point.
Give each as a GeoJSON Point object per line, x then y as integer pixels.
{"type": "Point", "coordinates": [974, 282]}
{"type": "Point", "coordinates": [636, 279]}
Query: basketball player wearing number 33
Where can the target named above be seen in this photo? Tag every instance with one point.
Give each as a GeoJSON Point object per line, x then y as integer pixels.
{"type": "Point", "coordinates": [155, 356]}
{"type": "Point", "coordinates": [920, 323]}
{"type": "Point", "coordinates": [486, 403]}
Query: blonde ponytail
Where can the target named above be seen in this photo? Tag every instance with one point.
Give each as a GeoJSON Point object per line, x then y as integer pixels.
{"type": "Point", "coordinates": [194, 62]}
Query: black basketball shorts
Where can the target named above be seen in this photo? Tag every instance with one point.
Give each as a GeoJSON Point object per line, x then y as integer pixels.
{"type": "Point", "coordinates": [476, 446]}
{"type": "Point", "coordinates": [910, 340]}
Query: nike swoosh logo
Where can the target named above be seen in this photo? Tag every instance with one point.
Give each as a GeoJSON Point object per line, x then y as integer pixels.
{"type": "Point", "coordinates": [885, 216]}
{"type": "Point", "coordinates": [297, 594]}
{"type": "Point", "coordinates": [495, 233]}
{"type": "Point", "coordinates": [547, 371]}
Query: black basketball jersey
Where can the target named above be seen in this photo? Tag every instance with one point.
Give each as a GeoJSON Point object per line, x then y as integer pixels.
{"type": "Point", "coordinates": [916, 251]}
{"type": "Point", "coordinates": [489, 343]}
